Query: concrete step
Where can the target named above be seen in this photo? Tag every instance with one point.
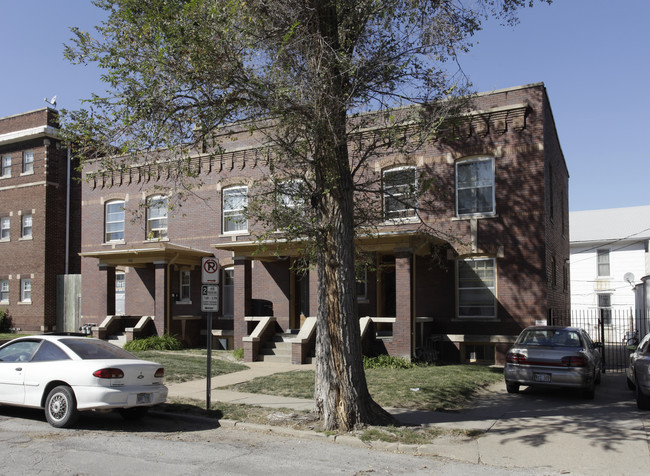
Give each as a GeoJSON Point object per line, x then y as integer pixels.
{"type": "Point", "coordinates": [117, 339]}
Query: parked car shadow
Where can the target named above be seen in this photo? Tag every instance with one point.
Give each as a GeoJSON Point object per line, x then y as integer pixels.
{"type": "Point", "coordinates": [156, 421]}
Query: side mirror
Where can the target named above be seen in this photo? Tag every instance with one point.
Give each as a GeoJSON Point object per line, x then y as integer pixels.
{"type": "Point", "coordinates": [632, 347]}
{"type": "Point", "coordinates": [598, 345]}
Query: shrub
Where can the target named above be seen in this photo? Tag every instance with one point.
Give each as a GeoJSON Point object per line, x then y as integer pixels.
{"type": "Point", "coordinates": [5, 321]}
{"type": "Point", "coordinates": [164, 342]}
{"type": "Point", "coordinates": [387, 362]}
{"type": "Point", "coordinates": [238, 353]}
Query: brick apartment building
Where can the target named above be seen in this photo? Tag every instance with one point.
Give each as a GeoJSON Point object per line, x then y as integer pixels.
{"type": "Point", "coordinates": [462, 299]}
{"type": "Point", "coordinates": [39, 222]}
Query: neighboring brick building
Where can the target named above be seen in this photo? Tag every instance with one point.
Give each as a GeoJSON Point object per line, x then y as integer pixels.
{"type": "Point", "coordinates": [39, 220]}
{"type": "Point", "coordinates": [503, 197]}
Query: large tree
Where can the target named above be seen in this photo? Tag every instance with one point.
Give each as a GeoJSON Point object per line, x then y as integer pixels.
{"type": "Point", "coordinates": [303, 75]}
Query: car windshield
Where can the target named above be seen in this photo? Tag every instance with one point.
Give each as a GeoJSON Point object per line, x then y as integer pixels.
{"type": "Point", "coordinates": [92, 349]}
{"type": "Point", "coordinates": [550, 337]}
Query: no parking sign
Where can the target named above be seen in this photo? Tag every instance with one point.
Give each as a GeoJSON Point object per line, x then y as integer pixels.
{"type": "Point", "coordinates": [210, 270]}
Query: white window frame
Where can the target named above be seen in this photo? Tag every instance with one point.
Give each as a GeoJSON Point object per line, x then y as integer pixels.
{"type": "Point", "coordinates": [475, 186]}
{"type": "Point", "coordinates": [233, 219]}
{"type": "Point", "coordinates": [26, 290]}
{"type": "Point", "coordinates": [157, 218]}
{"type": "Point", "coordinates": [185, 286]}
{"type": "Point", "coordinates": [604, 263]}
{"type": "Point", "coordinates": [113, 219]}
{"type": "Point", "coordinates": [5, 171]}
{"type": "Point", "coordinates": [28, 162]}
{"type": "Point", "coordinates": [27, 231]}
{"type": "Point", "coordinates": [392, 194]}
{"type": "Point", "coordinates": [5, 228]}
{"type": "Point", "coordinates": [474, 287]}
{"type": "Point", "coordinates": [4, 291]}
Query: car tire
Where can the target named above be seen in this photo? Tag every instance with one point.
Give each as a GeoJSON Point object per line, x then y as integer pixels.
{"type": "Point", "coordinates": [512, 387]}
{"type": "Point", "coordinates": [134, 414]}
{"type": "Point", "coordinates": [630, 384]}
{"type": "Point", "coordinates": [61, 407]}
{"type": "Point", "coordinates": [642, 401]}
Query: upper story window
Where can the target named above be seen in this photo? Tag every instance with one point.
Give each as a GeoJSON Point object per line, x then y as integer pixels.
{"type": "Point", "coordinates": [5, 228]}
{"type": "Point", "coordinates": [4, 291]}
{"type": "Point", "coordinates": [114, 225]}
{"type": "Point", "coordinates": [26, 229]}
{"type": "Point", "coordinates": [399, 192]}
{"type": "Point", "coordinates": [603, 263]}
{"type": "Point", "coordinates": [25, 290]}
{"type": "Point", "coordinates": [5, 166]}
{"type": "Point", "coordinates": [235, 202]}
{"type": "Point", "coordinates": [157, 217]}
{"type": "Point", "coordinates": [28, 162]}
{"type": "Point", "coordinates": [475, 186]}
{"type": "Point", "coordinates": [476, 288]}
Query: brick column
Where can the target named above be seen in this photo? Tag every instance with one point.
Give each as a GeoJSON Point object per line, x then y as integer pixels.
{"type": "Point", "coordinates": [109, 295]}
{"type": "Point", "coordinates": [160, 296]}
{"type": "Point", "coordinates": [402, 329]}
{"type": "Point", "coordinates": [242, 298]}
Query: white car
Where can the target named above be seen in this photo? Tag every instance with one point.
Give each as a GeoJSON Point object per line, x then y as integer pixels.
{"type": "Point", "coordinates": [66, 375]}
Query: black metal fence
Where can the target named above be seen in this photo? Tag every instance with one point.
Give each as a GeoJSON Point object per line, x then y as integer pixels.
{"type": "Point", "coordinates": [613, 327]}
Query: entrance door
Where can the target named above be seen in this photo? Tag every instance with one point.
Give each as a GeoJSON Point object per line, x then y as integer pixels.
{"type": "Point", "coordinates": [120, 293]}
{"type": "Point", "coordinates": [300, 298]}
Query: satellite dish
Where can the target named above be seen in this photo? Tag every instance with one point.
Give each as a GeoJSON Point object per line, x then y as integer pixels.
{"type": "Point", "coordinates": [629, 277]}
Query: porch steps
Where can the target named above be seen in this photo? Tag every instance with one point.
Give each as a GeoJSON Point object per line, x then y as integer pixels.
{"type": "Point", "coordinates": [117, 339]}
{"type": "Point", "coordinates": [277, 349]}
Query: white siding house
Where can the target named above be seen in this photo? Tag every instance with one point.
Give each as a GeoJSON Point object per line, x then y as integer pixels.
{"type": "Point", "coordinates": [609, 257]}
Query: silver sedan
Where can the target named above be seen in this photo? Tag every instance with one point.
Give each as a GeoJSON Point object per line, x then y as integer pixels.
{"type": "Point", "coordinates": [554, 356]}
{"type": "Point", "coordinates": [638, 373]}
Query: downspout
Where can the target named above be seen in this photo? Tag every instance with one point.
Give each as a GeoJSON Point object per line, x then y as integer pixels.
{"type": "Point", "coordinates": [168, 301]}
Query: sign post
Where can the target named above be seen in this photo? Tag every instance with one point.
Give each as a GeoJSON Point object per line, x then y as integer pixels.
{"type": "Point", "coordinates": [209, 303]}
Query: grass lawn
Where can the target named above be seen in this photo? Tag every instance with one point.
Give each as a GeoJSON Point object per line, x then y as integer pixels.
{"type": "Point", "coordinates": [447, 387]}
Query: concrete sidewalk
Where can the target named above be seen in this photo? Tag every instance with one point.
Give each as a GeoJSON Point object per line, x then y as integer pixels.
{"type": "Point", "coordinates": [554, 432]}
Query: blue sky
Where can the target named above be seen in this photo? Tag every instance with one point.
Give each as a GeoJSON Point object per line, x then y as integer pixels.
{"type": "Point", "coordinates": [592, 55]}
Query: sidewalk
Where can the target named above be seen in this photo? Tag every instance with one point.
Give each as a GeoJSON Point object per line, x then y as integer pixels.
{"type": "Point", "coordinates": [547, 432]}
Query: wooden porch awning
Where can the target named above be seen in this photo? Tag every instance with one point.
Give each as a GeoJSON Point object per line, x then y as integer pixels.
{"type": "Point", "coordinates": [415, 241]}
{"type": "Point", "coordinates": [146, 253]}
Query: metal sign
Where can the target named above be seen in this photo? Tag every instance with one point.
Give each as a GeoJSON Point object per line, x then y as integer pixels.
{"type": "Point", "coordinates": [209, 298]}
{"type": "Point", "coordinates": [210, 271]}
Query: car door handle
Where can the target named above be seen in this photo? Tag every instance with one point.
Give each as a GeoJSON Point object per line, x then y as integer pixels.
{"type": "Point", "coordinates": [19, 369]}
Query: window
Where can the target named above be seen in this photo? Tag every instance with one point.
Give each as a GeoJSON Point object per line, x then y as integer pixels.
{"type": "Point", "coordinates": [28, 162]}
{"type": "Point", "coordinates": [25, 290]}
{"type": "Point", "coordinates": [235, 202]}
{"type": "Point", "coordinates": [475, 186]}
{"type": "Point", "coordinates": [603, 263]}
{"type": "Point", "coordinates": [4, 291]}
{"type": "Point", "coordinates": [5, 169]}
{"type": "Point", "coordinates": [399, 193]}
{"type": "Point", "coordinates": [184, 294]}
{"type": "Point", "coordinates": [5, 228]}
{"type": "Point", "coordinates": [476, 288]}
{"type": "Point", "coordinates": [26, 230]}
{"type": "Point", "coordinates": [157, 218]}
{"type": "Point", "coordinates": [114, 216]}
{"type": "Point", "coordinates": [362, 284]}
{"type": "Point", "coordinates": [605, 308]}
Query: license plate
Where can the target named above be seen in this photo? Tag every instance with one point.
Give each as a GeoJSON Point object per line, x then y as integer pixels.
{"type": "Point", "coordinates": [144, 398]}
{"type": "Point", "coordinates": [542, 378]}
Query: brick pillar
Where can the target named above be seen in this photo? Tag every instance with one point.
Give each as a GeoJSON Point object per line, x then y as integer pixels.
{"type": "Point", "coordinates": [242, 298]}
{"type": "Point", "coordinates": [402, 329]}
{"type": "Point", "coordinates": [109, 295]}
{"type": "Point", "coordinates": [160, 296]}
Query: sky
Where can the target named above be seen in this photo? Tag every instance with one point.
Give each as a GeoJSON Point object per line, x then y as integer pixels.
{"type": "Point", "coordinates": [592, 55]}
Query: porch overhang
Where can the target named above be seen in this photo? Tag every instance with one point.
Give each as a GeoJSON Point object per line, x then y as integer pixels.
{"type": "Point", "coordinates": [417, 242]}
{"type": "Point", "coordinates": [139, 255]}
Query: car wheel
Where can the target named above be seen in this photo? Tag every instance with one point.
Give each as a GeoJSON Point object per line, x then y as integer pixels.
{"type": "Point", "coordinates": [630, 384]}
{"type": "Point", "coordinates": [642, 401]}
{"type": "Point", "coordinates": [512, 387]}
{"type": "Point", "coordinates": [61, 407]}
{"type": "Point", "coordinates": [135, 413]}
{"type": "Point", "coordinates": [590, 392]}
{"type": "Point", "coordinates": [599, 377]}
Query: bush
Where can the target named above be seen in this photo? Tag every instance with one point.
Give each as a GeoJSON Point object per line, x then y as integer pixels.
{"type": "Point", "coordinates": [5, 321]}
{"type": "Point", "coordinates": [164, 342]}
{"type": "Point", "coordinates": [387, 362]}
{"type": "Point", "coordinates": [238, 353]}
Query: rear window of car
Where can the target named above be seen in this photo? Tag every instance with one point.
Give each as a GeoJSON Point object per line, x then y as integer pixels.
{"type": "Point", "coordinates": [93, 349]}
{"type": "Point", "coordinates": [550, 337]}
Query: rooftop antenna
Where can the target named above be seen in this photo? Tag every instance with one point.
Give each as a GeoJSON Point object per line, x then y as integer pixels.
{"type": "Point", "coordinates": [51, 101]}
